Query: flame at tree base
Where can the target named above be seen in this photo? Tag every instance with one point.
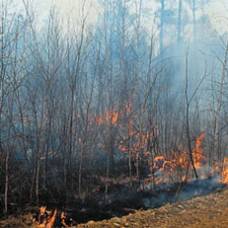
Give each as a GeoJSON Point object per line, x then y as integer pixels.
{"type": "Point", "coordinates": [225, 171]}
{"type": "Point", "coordinates": [178, 166]}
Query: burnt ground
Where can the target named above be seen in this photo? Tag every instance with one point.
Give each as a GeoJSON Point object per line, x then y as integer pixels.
{"type": "Point", "coordinates": [201, 211]}
{"type": "Point", "coordinates": [204, 211]}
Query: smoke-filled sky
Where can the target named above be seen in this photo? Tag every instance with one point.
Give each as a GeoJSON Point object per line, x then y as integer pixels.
{"type": "Point", "coordinates": [217, 9]}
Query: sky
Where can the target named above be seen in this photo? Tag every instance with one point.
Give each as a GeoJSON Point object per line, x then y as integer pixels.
{"type": "Point", "coordinates": [68, 8]}
{"type": "Point", "coordinates": [217, 9]}
{"type": "Point", "coordinates": [218, 14]}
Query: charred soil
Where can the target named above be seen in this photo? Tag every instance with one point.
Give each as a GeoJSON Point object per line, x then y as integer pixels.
{"type": "Point", "coordinates": [201, 211]}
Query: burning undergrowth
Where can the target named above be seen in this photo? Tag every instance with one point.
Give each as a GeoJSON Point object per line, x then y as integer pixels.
{"type": "Point", "coordinates": [171, 179]}
{"type": "Point", "coordinates": [178, 167]}
{"type": "Point", "coordinates": [126, 195]}
{"type": "Point", "coordinates": [123, 200]}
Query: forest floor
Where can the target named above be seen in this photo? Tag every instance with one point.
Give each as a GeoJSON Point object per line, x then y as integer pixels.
{"type": "Point", "coordinates": [203, 211]}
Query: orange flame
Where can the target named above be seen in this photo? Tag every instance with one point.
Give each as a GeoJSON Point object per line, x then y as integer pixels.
{"type": "Point", "coordinates": [225, 171]}
{"type": "Point", "coordinates": [162, 169]}
{"type": "Point", "coordinates": [171, 168]}
{"type": "Point", "coordinates": [198, 156]}
{"type": "Point", "coordinates": [166, 169]}
{"type": "Point", "coordinates": [49, 219]}
{"type": "Point", "coordinates": [109, 117]}
{"type": "Point", "coordinates": [114, 117]}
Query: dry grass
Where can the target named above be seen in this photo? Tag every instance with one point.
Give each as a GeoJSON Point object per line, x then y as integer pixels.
{"type": "Point", "coordinates": [22, 221]}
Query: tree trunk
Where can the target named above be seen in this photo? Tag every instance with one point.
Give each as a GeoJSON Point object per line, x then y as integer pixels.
{"type": "Point", "coordinates": [162, 25]}
{"type": "Point", "coordinates": [107, 177]}
{"type": "Point", "coordinates": [187, 120]}
{"type": "Point", "coordinates": [194, 17]}
{"type": "Point", "coordinates": [37, 178]}
{"type": "Point", "coordinates": [179, 23]}
{"type": "Point", "coordinates": [189, 142]}
{"type": "Point", "coordinates": [6, 183]}
{"type": "Point", "coordinates": [80, 170]}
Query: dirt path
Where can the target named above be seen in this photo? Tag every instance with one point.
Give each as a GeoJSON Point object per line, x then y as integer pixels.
{"type": "Point", "coordinates": [207, 211]}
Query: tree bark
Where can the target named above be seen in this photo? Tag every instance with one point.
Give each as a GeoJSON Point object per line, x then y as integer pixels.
{"type": "Point", "coordinates": [6, 182]}
{"type": "Point", "coordinates": [162, 25]}
{"type": "Point", "coordinates": [179, 23]}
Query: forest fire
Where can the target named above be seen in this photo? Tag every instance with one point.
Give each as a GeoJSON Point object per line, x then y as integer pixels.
{"type": "Point", "coordinates": [225, 171]}
{"type": "Point", "coordinates": [109, 117]}
{"type": "Point", "coordinates": [167, 174]}
{"type": "Point", "coordinates": [45, 219]}
{"type": "Point", "coordinates": [166, 170]}
{"type": "Point", "coordinates": [50, 219]}
{"type": "Point", "coordinates": [198, 156]}
{"type": "Point", "coordinates": [108, 105]}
